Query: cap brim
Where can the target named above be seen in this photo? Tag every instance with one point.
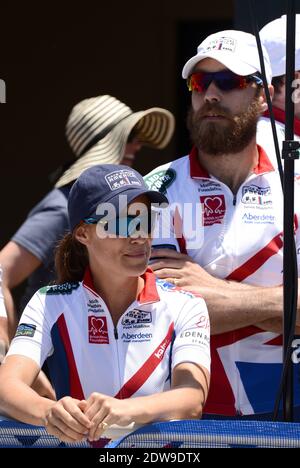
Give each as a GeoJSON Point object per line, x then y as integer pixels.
{"type": "Point", "coordinates": [279, 65]}
{"type": "Point", "coordinates": [232, 63]}
{"type": "Point", "coordinates": [131, 194]}
{"type": "Point", "coordinates": [155, 128]}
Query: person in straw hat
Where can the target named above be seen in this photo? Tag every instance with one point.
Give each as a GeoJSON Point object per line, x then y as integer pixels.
{"type": "Point", "coordinates": [99, 130]}
{"type": "Point", "coordinates": [123, 346]}
{"type": "Point", "coordinates": [104, 130]}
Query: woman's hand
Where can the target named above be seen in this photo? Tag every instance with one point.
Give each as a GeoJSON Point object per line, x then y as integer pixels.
{"type": "Point", "coordinates": [103, 411]}
{"type": "Point", "coordinates": [67, 421]}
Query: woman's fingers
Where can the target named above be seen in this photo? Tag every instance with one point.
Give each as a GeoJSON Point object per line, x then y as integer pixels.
{"type": "Point", "coordinates": [103, 411]}
{"type": "Point", "coordinates": [97, 415]}
{"type": "Point", "coordinates": [67, 416]}
{"type": "Point", "coordinates": [101, 428]}
{"type": "Point", "coordinates": [100, 414]}
{"type": "Point", "coordinates": [63, 431]}
{"type": "Point", "coordinates": [61, 435]}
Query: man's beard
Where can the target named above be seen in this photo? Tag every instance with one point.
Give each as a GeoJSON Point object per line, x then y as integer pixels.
{"type": "Point", "coordinates": [231, 135]}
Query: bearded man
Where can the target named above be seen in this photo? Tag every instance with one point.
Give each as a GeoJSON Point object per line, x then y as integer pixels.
{"type": "Point", "coordinates": [225, 226]}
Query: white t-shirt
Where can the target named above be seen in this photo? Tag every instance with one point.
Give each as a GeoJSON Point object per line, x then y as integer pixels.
{"type": "Point", "coordinates": [71, 326]}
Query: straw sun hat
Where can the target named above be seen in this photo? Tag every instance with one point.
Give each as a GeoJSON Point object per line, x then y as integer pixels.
{"type": "Point", "coordinates": [98, 129]}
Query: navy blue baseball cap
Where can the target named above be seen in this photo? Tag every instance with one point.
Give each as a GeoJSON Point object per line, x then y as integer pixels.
{"type": "Point", "coordinates": [105, 184]}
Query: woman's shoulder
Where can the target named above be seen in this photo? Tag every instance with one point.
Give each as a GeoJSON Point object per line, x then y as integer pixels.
{"type": "Point", "coordinates": [171, 292]}
{"type": "Point", "coordinates": [59, 289]}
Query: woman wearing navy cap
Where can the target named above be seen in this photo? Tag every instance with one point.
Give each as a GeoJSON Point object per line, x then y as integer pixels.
{"type": "Point", "coordinates": [121, 346]}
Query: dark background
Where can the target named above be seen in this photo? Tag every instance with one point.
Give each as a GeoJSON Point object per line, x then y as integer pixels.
{"type": "Point", "coordinates": [53, 56]}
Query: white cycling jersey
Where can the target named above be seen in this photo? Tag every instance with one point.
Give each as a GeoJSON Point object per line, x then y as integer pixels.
{"type": "Point", "coordinates": [71, 326]}
{"type": "Point", "coordinates": [239, 237]}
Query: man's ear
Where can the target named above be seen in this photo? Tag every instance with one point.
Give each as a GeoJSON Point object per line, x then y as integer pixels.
{"type": "Point", "coordinates": [82, 234]}
{"type": "Point", "coordinates": [264, 104]}
{"type": "Point", "coordinates": [297, 74]}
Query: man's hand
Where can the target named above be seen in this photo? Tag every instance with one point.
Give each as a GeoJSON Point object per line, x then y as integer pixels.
{"type": "Point", "coordinates": [231, 305]}
{"type": "Point", "coordinates": [181, 270]}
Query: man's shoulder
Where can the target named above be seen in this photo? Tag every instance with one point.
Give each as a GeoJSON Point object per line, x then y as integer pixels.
{"type": "Point", "coordinates": [264, 130]}
{"type": "Point", "coordinates": [265, 123]}
{"type": "Point", "coordinates": [163, 177]}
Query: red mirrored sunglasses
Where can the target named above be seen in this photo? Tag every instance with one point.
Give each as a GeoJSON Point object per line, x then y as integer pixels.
{"type": "Point", "coordinates": [225, 80]}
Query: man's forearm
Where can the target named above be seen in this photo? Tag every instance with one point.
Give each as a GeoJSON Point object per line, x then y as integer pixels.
{"type": "Point", "coordinates": [232, 306]}
{"type": "Point", "coordinates": [275, 325]}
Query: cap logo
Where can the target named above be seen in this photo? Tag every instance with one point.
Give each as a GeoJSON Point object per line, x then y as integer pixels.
{"type": "Point", "coordinates": [120, 179]}
{"type": "Point", "coordinates": [222, 43]}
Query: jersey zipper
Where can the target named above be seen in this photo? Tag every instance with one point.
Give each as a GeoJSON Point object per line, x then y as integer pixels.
{"type": "Point", "coordinates": [116, 335]}
{"type": "Point", "coordinates": [234, 199]}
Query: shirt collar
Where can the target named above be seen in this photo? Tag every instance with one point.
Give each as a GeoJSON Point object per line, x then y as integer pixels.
{"type": "Point", "coordinates": [198, 172]}
{"type": "Point", "coordinates": [148, 294]}
{"type": "Point", "coordinates": [264, 164]}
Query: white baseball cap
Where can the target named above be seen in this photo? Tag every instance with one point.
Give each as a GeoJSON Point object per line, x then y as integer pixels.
{"type": "Point", "coordinates": [237, 50]}
{"type": "Point", "coordinates": [273, 36]}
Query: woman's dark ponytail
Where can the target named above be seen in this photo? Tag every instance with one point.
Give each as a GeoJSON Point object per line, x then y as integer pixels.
{"type": "Point", "coordinates": [71, 260]}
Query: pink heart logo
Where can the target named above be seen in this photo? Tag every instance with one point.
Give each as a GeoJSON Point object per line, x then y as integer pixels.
{"type": "Point", "coordinates": [213, 204]}
{"type": "Point", "coordinates": [97, 324]}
